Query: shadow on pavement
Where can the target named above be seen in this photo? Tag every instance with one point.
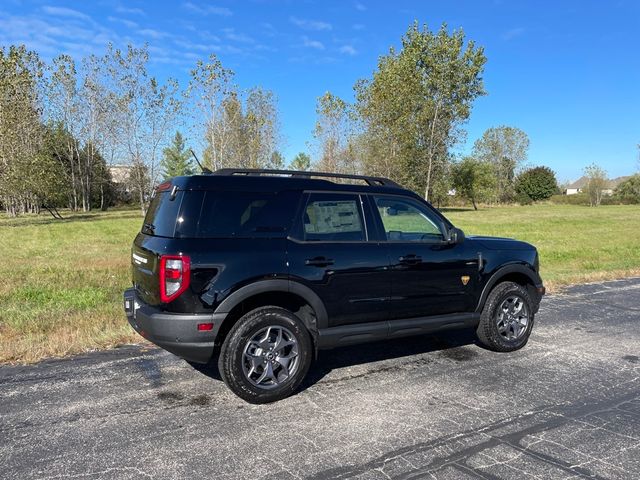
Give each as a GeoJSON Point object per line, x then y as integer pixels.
{"type": "Point", "coordinates": [328, 360]}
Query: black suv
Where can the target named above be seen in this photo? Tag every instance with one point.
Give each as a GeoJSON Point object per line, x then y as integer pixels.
{"type": "Point", "coordinates": [265, 267]}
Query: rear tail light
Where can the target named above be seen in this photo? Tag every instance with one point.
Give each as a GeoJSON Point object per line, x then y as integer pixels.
{"type": "Point", "coordinates": [175, 273]}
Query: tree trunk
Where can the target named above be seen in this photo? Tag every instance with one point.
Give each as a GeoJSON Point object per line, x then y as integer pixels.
{"type": "Point", "coordinates": [430, 153]}
{"type": "Point", "coordinates": [473, 201]}
{"type": "Point", "coordinates": [141, 197]}
{"type": "Point", "coordinates": [103, 203]}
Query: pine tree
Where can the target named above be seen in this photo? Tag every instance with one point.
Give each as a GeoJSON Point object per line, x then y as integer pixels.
{"type": "Point", "coordinates": [176, 159]}
{"type": "Point", "coordinates": [301, 161]}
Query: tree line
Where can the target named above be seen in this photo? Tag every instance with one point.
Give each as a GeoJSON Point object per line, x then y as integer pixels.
{"type": "Point", "coordinates": [408, 117]}
{"type": "Point", "coordinates": [64, 123]}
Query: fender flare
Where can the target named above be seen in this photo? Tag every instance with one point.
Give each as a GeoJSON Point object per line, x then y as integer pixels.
{"type": "Point", "coordinates": [278, 285]}
{"type": "Point", "coordinates": [502, 272]}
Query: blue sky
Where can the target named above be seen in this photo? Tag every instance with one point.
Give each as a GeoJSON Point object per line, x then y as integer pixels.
{"type": "Point", "coordinates": [566, 72]}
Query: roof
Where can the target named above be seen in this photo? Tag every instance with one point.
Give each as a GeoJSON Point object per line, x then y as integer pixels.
{"type": "Point", "coordinates": [582, 182]}
{"type": "Point", "coordinates": [280, 181]}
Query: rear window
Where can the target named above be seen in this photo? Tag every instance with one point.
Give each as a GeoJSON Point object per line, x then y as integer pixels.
{"type": "Point", "coordinates": [220, 214]}
{"type": "Point", "coordinates": [160, 219]}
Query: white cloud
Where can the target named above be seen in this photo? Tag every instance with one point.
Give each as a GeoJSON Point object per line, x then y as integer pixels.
{"type": "Point", "coordinates": [360, 7]}
{"type": "Point", "coordinates": [68, 32]}
{"type": "Point", "coordinates": [123, 21]}
{"type": "Point", "coordinates": [310, 24]}
{"type": "Point", "coordinates": [151, 33]}
{"type": "Point", "coordinates": [348, 50]}
{"type": "Point", "coordinates": [269, 29]}
{"type": "Point", "coordinates": [231, 34]}
{"type": "Point", "coordinates": [309, 43]}
{"type": "Point", "coordinates": [357, 26]}
{"type": "Point", "coordinates": [208, 9]}
{"type": "Point", "coordinates": [65, 12]}
{"type": "Point", "coordinates": [132, 11]}
{"type": "Point", "coordinates": [513, 33]}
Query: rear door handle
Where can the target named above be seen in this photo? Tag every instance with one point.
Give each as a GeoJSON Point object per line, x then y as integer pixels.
{"type": "Point", "coordinates": [318, 262]}
{"type": "Point", "coordinates": [410, 259]}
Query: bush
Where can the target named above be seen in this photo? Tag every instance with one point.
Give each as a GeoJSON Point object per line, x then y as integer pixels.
{"type": "Point", "coordinates": [537, 183]}
{"type": "Point", "coordinates": [583, 199]}
{"type": "Point", "coordinates": [577, 199]}
{"type": "Point", "coordinates": [629, 190]}
{"type": "Point", "coordinates": [523, 199]}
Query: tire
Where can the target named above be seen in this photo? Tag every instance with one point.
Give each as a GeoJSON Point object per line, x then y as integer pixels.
{"type": "Point", "coordinates": [501, 326]}
{"type": "Point", "coordinates": [266, 355]}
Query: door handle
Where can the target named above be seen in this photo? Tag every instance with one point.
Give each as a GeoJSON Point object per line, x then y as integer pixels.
{"type": "Point", "coordinates": [318, 262]}
{"type": "Point", "coordinates": [410, 259]}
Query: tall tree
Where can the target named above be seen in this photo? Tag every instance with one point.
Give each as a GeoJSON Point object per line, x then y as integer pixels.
{"type": "Point", "coordinates": [96, 111]}
{"type": "Point", "coordinates": [261, 127]}
{"type": "Point", "coordinates": [413, 107]}
{"type": "Point", "coordinates": [301, 161]}
{"type": "Point", "coordinates": [474, 180]}
{"type": "Point", "coordinates": [276, 161]}
{"type": "Point", "coordinates": [23, 179]}
{"type": "Point", "coordinates": [63, 113]}
{"type": "Point", "coordinates": [210, 89]}
{"type": "Point", "coordinates": [334, 133]}
{"type": "Point", "coordinates": [176, 159]}
{"type": "Point", "coordinates": [506, 148]}
{"type": "Point", "coordinates": [147, 110]}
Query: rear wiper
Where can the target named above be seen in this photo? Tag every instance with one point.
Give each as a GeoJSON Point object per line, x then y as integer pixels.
{"type": "Point", "coordinates": [149, 226]}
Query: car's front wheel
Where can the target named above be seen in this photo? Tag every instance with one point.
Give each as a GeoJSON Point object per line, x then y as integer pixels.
{"type": "Point", "coordinates": [266, 355]}
{"type": "Point", "coordinates": [507, 318]}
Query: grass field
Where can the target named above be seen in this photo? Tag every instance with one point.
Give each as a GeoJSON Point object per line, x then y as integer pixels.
{"type": "Point", "coordinates": [63, 280]}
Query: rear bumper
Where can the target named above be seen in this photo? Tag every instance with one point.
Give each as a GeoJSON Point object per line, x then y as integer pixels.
{"type": "Point", "coordinates": [176, 333]}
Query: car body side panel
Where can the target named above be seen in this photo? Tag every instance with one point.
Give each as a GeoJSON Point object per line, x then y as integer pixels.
{"type": "Point", "coordinates": [219, 267]}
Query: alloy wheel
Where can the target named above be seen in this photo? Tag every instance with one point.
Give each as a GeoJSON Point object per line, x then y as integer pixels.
{"type": "Point", "coordinates": [270, 357]}
{"type": "Point", "coordinates": [512, 318]}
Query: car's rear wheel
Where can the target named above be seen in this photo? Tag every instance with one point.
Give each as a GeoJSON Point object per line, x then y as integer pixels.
{"type": "Point", "coordinates": [507, 318]}
{"type": "Point", "coordinates": [266, 355]}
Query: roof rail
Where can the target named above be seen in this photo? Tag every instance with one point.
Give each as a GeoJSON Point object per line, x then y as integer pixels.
{"type": "Point", "coordinates": [371, 181]}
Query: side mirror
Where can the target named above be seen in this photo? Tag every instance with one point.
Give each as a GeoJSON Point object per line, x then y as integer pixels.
{"type": "Point", "coordinates": [456, 236]}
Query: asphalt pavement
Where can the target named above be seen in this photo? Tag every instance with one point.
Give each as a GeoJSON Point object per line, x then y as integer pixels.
{"type": "Point", "coordinates": [566, 406]}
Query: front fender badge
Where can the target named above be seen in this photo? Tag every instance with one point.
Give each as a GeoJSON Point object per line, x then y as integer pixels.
{"type": "Point", "coordinates": [465, 279]}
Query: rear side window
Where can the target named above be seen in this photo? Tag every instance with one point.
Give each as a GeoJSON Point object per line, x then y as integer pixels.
{"type": "Point", "coordinates": [333, 217]}
{"type": "Point", "coordinates": [220, 214]}
{"type": "Point", "coordinates": [232, 214]}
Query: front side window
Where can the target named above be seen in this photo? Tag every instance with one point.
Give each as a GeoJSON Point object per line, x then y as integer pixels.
{"type": "Point", "coordinates": [333, 218]}
{"type": "Point", "coordinates": [407, 221]}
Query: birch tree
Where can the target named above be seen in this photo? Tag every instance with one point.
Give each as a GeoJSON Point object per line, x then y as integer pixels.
{"type": "Point", "coordinates": [210, 85]}
{"type": "Point", "coordinates": [335, 135]}
{"type": "Point", "coordinates": [148, 110]}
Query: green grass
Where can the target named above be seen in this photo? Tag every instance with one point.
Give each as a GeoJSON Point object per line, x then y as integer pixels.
{"type": "Point", "coordinates": [576, 243]}
{"type": "Point", "coordinates": [62, 281]}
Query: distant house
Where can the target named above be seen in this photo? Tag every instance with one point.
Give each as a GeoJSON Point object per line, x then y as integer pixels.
{"type": "Point", "coordinates": [576, 187]}
{"type": "Point", "coordinates": [120, 173]}
{"type": "Point", "coordinates": [579, 185]}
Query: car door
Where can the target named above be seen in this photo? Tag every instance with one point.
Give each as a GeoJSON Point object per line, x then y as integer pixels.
{"type": "Point", "coordinates": [330, 252]}
{"type": "Point", "coordinates": [429, 276]}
